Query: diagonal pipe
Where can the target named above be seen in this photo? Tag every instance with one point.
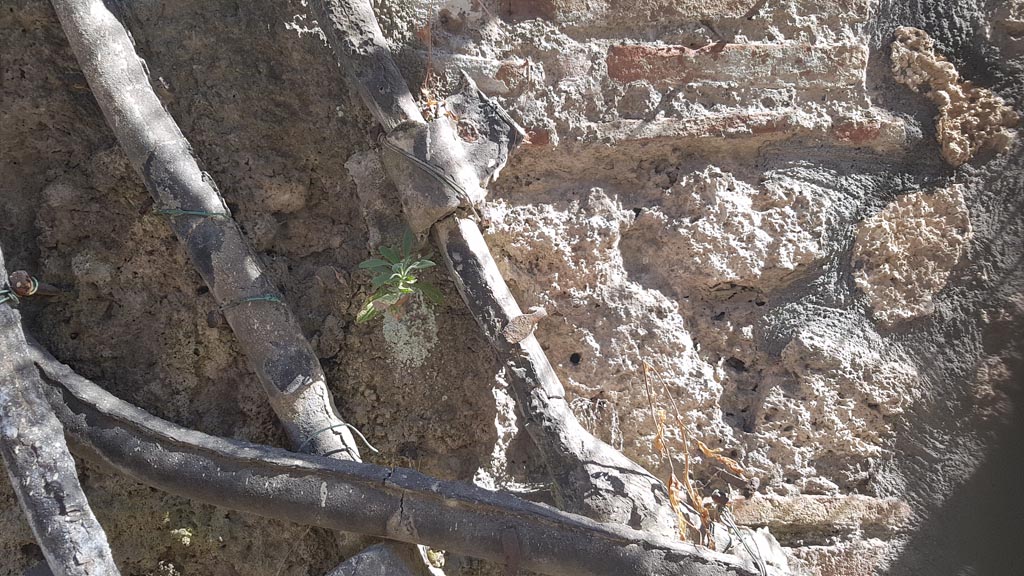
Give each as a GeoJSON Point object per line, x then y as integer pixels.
{"type": "Point", "coordinates": [586, 473]}
{"type": "Point", "coordinates": [268, 333]}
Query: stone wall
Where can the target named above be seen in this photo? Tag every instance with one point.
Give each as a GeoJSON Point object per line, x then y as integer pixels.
{"type": "Point", "coordinates": [746, 195]}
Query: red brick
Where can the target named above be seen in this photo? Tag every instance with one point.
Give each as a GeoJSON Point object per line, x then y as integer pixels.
{"type": "Point", "coordinates": [538, 137]}
{"type": "Point", "coordinates": [757, 124]}
{"type": "Point", "coordinates": [856, 132]}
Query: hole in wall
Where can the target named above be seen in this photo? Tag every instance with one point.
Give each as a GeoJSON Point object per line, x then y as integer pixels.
{"type": "Point", "coordinates": [736, 364]}
{"type": "Point", "coordinates": [32, 550]}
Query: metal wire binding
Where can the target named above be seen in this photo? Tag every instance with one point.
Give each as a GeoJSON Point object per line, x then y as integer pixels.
{"type": "Point", "coordinates": [8, 295]}
{"type": "Point", "coordinates": [177, 212]}
{"type": "Point", "coordinates": [726, 516]}
{"type": "Point", "coordinates": [333, 426]}
{"type": "Point", "coordinates": [264, 298]}
{"type": "Point", "coordinates": [435, 172]}
{"type": "Point", "coordinates": [34, 286]}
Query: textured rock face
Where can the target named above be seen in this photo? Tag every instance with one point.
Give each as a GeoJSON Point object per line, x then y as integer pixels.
{"type": "Point", "coordinates": [732, 232]}
{"type": "Point", "coordinates": [836, 514]}
{"type": "Point", "coordinates": [970, 118]}
{"type": "Point", "coordinates": [903, 255]}
{"type": "Point", "coordinates": [743, 194]}
{"type": "Point", "coordinates": [749, 70]}
{"type": "Point", "coordinates": [849, 383]}
{"type": "Point", "coordinates": [1008, 22]}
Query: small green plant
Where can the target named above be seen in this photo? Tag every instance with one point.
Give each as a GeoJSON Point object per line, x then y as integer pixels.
{"type": "Point", "coordinates": [394, 281]}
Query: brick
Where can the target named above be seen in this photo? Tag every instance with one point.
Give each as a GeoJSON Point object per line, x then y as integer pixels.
{"type": "Point", "coordinates": [805, 516]}
{"type": "Point", "coordinates": [856, 132]}
{"type": "Point", "coordinates": [773, 124]}
{"type": "Point", "coordinates": [538, 137]}
{"type": "Point", "coordinates": [613, 13]}
{"type": "Point", "coordinates": [755, 64]}
{"type": "Point", "coordinates": [754, 124]}
{"type": "Point", "coordinates": [864, 558]}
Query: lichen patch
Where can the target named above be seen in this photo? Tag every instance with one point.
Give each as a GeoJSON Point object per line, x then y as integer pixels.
{"type": "Point", "coordinates": [410, 338]}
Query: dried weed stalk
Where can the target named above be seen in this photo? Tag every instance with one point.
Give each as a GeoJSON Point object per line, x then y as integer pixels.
{"type": "Point", "coordinates": [675, 487]}
{"type": "Point", "coordinates": [696, 504]}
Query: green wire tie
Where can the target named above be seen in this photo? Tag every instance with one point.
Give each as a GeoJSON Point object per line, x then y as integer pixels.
{"type": "Point", "coordinates": [8, 296]}
{"type": "Point", "coordinates": [35, 286]}
{"type": "Point", "coordinates": [265, 298]}
{"type": "Point", "coordinates": [177, 212]}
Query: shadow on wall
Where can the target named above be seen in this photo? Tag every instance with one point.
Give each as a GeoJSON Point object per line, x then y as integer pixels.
{"type": "Point", "coordinates": [979, 529]}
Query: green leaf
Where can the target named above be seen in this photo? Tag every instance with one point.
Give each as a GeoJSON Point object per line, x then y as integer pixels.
{"type": "Point", "coordinates": [422, 265]}
{"type": "Point", "coordinates": [389, 299]}
{"type": "Point", "coordinates": [368, 311]}
{"type": "Point", "coordinates": [389, 253]}
{"type": "Point", "coordinates": [431, 292]}
{"type": "Point", "coordinates": [408, 242]}
{"type": "Point", "coordinates": [366, 314]}
{"type": "Point", "coordinates": [373, 263]}
{"type": "Point", "coordinates": [381, 279]}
